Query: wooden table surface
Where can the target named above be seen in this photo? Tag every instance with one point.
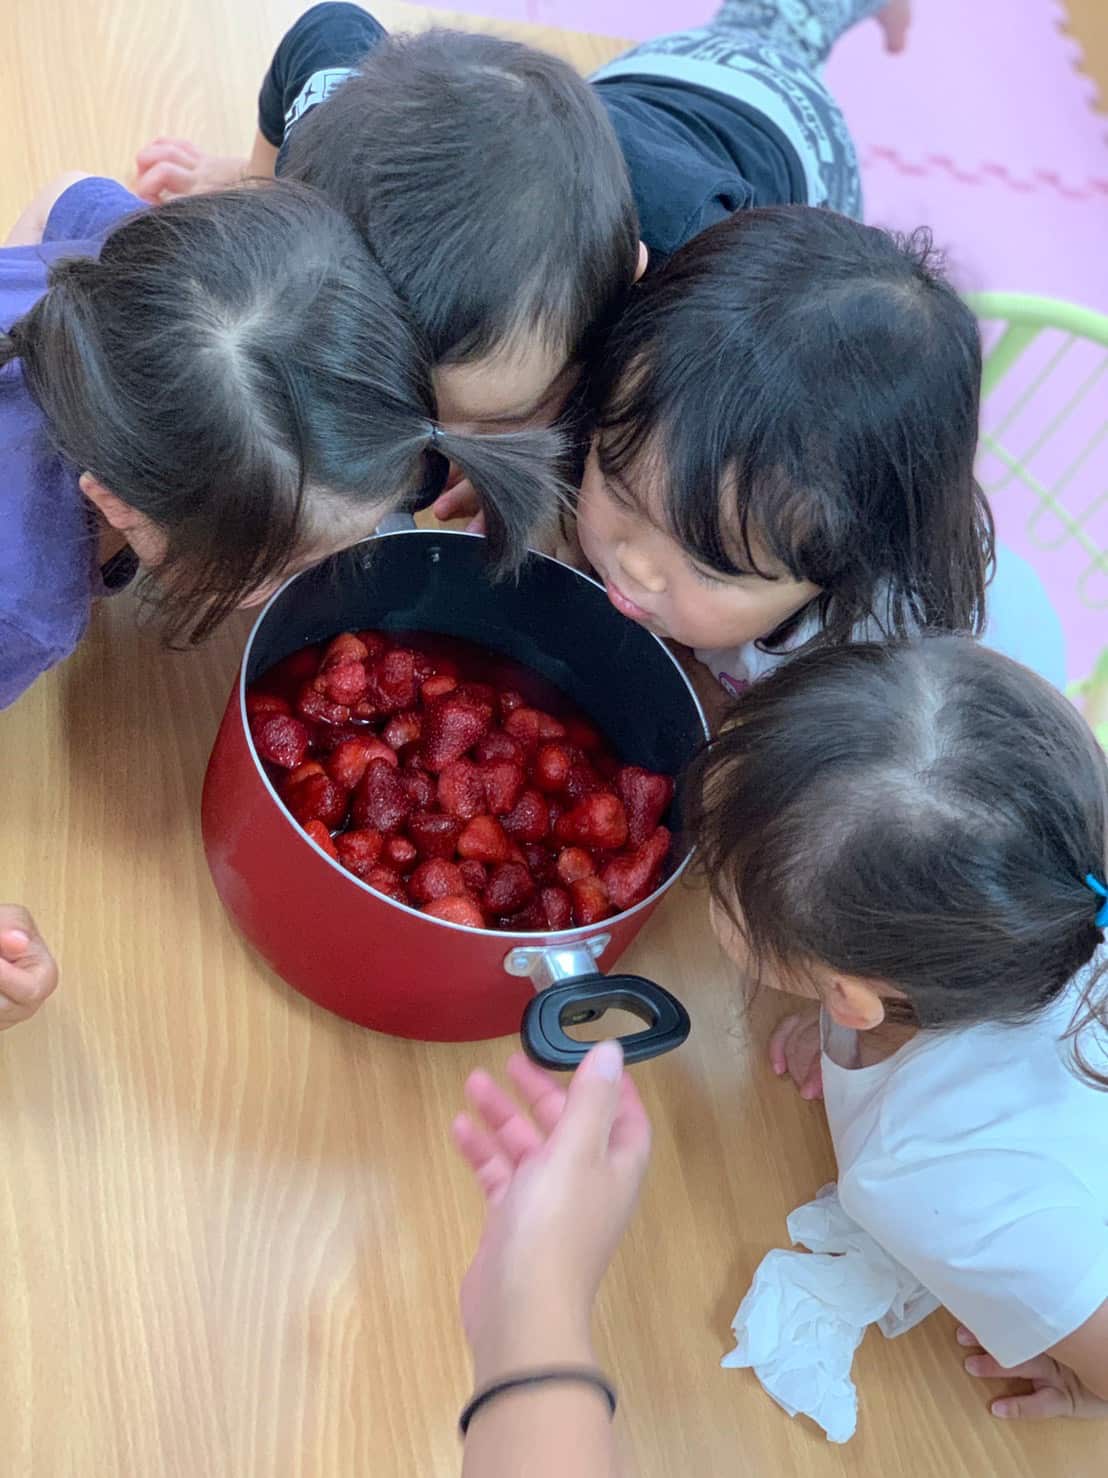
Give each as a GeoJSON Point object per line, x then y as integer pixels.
{"type": "Point", "coordinates": [232, 1225]}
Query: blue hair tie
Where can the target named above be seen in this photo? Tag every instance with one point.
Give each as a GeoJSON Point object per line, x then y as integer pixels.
{"type": "Point", "coordinates": [1101, 891]}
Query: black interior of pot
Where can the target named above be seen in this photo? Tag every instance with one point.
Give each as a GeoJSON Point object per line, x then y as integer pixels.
{"type": "Point", "coordinates": [550, 618]}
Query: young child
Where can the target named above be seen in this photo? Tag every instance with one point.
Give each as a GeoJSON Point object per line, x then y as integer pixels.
{"type": "Point", "coordinates": [786, 435]}
{"type": "Point", "coordinates": [914, 834]}
{"type": "Point", "coordinates": [228, 389]}
{"type": "Point", "coordinates": [500, 191]}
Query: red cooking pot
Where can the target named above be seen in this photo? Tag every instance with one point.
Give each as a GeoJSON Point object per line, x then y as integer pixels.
{"type": "Point", "coordinates": [376, 961]}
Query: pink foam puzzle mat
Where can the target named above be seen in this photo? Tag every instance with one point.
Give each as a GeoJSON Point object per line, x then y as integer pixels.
{"type": "Point", "coordinates": [986, 130]}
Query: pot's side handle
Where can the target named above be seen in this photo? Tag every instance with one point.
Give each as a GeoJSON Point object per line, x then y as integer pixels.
{"type": "Point", "coordinates": [586, 997]}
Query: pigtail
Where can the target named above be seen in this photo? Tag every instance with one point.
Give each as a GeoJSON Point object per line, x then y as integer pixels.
{"type": "Point", "coordinates": [520, 480]}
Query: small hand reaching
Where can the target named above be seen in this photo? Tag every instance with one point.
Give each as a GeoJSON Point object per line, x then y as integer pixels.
{"type": "Point", "coordinates": [560, 1184]}
{"type": "Point", "coordinates": [795, 1049]}
{"type": "Point", "coordinates": [168, 168]}
{"type": "Point", "coordinates": [28, 973]}
{"type": "Point", "coordinates": [1056, 1390]}
{"type": "Point", "coordinates": [459, 499]}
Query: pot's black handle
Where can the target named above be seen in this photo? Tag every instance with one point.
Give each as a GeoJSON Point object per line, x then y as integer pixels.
{"type": "Point", "coordinates": [586, 997]}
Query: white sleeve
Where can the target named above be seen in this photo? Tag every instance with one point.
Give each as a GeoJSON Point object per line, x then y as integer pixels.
{"type": "Point", "coordinates": [1010, 1242]}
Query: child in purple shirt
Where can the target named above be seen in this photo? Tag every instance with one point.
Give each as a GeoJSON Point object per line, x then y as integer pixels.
{"type": "Point", "coordinates": [225, 386]}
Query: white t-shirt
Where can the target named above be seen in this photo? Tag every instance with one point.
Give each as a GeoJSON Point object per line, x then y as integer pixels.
{"type": "Point", "coordinates": [979, 1160]}
{"type": "Point", "coordinates": [1021, 623]}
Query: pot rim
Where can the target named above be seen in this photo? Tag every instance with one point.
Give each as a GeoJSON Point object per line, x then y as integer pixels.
{"type": "Point", "coordinates": [561, 936]}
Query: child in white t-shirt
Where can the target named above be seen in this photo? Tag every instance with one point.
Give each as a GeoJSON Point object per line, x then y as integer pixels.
{"type": "Point", "coordinates": [915, 835]}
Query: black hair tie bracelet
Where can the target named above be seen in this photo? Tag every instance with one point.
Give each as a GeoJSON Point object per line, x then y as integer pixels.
{"type": "Point", "coordinates": [575, 1375]}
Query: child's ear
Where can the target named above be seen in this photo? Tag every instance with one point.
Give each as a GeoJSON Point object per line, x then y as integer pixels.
{"type": "Point", "coordinates": [120, 515]}
{"type": "Point", "coordinates": [854, 1003]}
{"type": "Point", "coordinates": [641, 264]}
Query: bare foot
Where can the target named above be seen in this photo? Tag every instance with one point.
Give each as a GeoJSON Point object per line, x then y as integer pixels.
{"type": "Point", "coordinates": [894, 21]}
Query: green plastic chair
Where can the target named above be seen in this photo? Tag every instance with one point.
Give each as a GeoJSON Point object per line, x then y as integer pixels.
{"type": "Point", "coordinates": [1026, 320]}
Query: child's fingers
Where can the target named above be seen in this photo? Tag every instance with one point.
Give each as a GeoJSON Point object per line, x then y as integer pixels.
{"type": "Point", "coordinates": [966, 1336]}
{"type": "Point", "coordinates": [163, 181]}
{"type": "Point", "coordinates": [779, 1043]}
{"type": "Point", "coordinates": [631, 1132]}
{"type": "Point", "coordinates": [483, 1156]}
{"type": "Point", "coordinates": [514, 1132]}
{"type": "Point", "coordinates": [984, 1367]}
{"type": "Point", "coordinates": [812, 1086]}
{"type": "Point", "coordinates": [14, 944]}
{"type": "Point", "coordinates": [592, 1102]}
{"type": "Point", "coordinates": [543, 1095]}
{"type": "Point", "coordinates": [1040, 1406]}
{"type": "Point", "coordinates": [179, 151]}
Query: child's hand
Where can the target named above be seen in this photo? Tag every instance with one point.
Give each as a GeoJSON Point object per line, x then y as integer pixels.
{"type": "Point", "coordinates": [28, 973]}
{"type": "Point", "coordinates": [560, 1184]}
{"type": "Point", "coordinates": [795, 1049]}
{"type": "Point", "coordinates": [894, 19]}
{"type": "Point", "coordinates": [1056, 1390]}
{"type": "Point", "coordinates": [168, 168]}
{"type": "Point", "coordinates": [459, 500]}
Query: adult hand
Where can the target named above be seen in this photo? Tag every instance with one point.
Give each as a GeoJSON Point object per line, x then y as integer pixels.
{"type": "Point", "coordinates": [1056, 1390]}
{"type": "Point", "coordinates": [28, 973]}
{"type": "Point", "coordinates": [795, 1049]}
{"type": "Point", "coordinates": [560, 1180]}
{"type": "Point", "coordinates": [168, 168]}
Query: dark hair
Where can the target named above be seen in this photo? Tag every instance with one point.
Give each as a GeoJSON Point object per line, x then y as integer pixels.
{"type": "Point", "coordinates": [921, 813]}
{"type": "Point", "coordinates": [490, 185]}
{"type": "Point", "coordinates": [793, 377]}
{"type": "Point", "coordinates": [238, 369]}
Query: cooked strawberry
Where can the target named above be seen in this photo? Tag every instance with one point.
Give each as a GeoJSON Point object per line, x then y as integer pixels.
{"type": "Point", "coordinates": [434, 835]}
{"type": "Point", "coordinates": [402, 729]}
{"type": "Point", "coordinates": [598, 820]}
{"type": "Point", "coordinates": [550, 769]}
{"type": "Point", "coordinates": [437, 687]}
{"type": "Point", "coordinates": [292, 672]}
{"type": "Point", "coordinates": [496, 745]}
{"type": "Point", "coordinates": [316, 706]}
{"type": "Point", "coordinates": [387, 882]}
{"type": "Point", "coordinates": [394, 680]}
{"type": "Point", "coordinates": [375, 642]}
{"type": "Point", "coordinates": [509, 887]}
{"type": "Point", "coordinates": [484, 839]}
{"type": "Point", "coordinates": [530, 726]}
{"type": "Point", "coordinates": [574, 863]}
{"type": "Point", "coordinates": [557, 905]}
{"type": "Point", "coordinates": [646, 797]}
{"type": "Point", "coordinates": [400, 853]}
{"type": "Point", "coordinates": [460, 910]}
{"type": "Point", "coordinates": [264, 705]}
{"type": "Point", "coordinates": [367, 710]}
{"type": "Point", "coordinates": [436, 878]}
{"type": "Point", "coordinates": [529, 818]}
{"type": "Point", "coordinates": [348, 761]}
{"type": "Point", "coordinates": [309, 767]}
{"type": "Point", "coordinates": [359, 851]}
{"type": "Point", "coordinates": [583, 734]}
{"type": "Point", "coordinates": [461, 790]}
{"type": "Point", "coordinates": [474, 875]}
{"type": "Point", "coordinates": [282, 740]}
{"type": "Point", "coordinates": [631, 877]}
{"type": "Point", "coordinates": [322, 838]}
{"type": "Point", "coordinates": [508, 701]}
{"type": "Point", "coordinates": [529, 920]}
{"type": "Point", "coordinates": [314, 797]}
{"type": "Point", "coordinates": [451, 726]}
{"type": "Point", "coordinates": [582, 780]}
{"type": "Point", "coordinates": [503, 780]}
{"type": "Point", "coordinates": [420, 788]}
{"type": "Point", "coordinates": [380, 800]}
{"type": "Point", "coordinates": [540, 864]}
{"type": "Point", "coordinates": [346, 647]}
{"type": "Point", "coordinates": [590, 900]}
{"type": "Point", "coordinates": [480, 693]}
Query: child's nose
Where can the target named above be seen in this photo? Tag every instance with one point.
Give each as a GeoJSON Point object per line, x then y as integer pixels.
{"type": "Point", "coordinates": [637, 564]}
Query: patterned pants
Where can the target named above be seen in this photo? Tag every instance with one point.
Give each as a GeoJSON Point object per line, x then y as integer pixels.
{"type": "Point", "coordinates": [768, 55]}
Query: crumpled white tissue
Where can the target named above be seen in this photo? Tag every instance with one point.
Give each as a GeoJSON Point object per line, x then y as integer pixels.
{"type": "Point", "coordinates": [806, 1313]}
